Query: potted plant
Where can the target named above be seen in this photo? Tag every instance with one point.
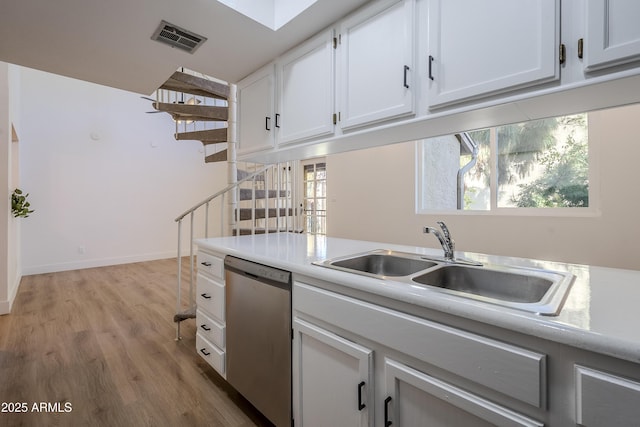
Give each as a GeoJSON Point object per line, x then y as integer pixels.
{"type": "Point", "coordinates": [19, 205]}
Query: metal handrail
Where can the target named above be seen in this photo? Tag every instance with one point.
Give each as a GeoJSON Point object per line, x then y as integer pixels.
{"type": "Point", "coordinates": [190, 312]}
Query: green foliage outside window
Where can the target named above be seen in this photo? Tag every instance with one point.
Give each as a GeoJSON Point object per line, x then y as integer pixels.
{"type": "Point", "coordinates": [565, 179]}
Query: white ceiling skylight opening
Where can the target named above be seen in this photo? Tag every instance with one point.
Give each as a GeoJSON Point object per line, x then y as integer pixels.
{"type": "Point", "coordinates": [273, 14]}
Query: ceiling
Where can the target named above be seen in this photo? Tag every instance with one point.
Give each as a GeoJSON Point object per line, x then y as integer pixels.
{"type": "Point", "coordinates": [109, 42]}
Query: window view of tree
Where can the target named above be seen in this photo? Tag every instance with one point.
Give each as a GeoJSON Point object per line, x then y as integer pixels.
{"type": "Point", "coordinates": [477, 181]}
{"type": "Point", "coordinates": [535, 164]}
{"type": "Point", "coordinates": [564, 179]}
{"type": "Point", "coordinates": [544, 163]}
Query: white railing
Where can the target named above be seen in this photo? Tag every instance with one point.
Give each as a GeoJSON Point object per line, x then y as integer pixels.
{"type": "Point", "coordinates": [272, 207]}
{"type": "Point", "coordinates": [273, 189]}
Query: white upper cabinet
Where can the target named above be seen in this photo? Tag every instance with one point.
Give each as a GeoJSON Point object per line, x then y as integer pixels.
{"type": "Point", "coordinates": [375, 69]}
{"type": "Point", "coordinates": [612, 33]}
{"type": "Point", "coordinates": [421, 66]}
{"type": "Point", "coordinates": [479, 48]}
{"type": "Point", "coordinates": [306, 90]}
{"type": "Point", "coordinates": [256, 116]}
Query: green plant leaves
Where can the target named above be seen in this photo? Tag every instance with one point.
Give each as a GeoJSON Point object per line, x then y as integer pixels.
{"type": "Point", "coordinates": [19, 205]}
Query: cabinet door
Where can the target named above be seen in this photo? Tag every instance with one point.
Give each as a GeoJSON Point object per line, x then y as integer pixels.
{"type": "Point", "coordinates": [255, 111]}
{"type": "Point", "coordinates": [376, 63]}
{"type": "Point", "coordinates": [334, 385]}
{"type": "Point", "coordinates": [306, 89]}
{"type": "Point", "coordinates": [612, 33]}
{"type": "Point", "coordinates": [478, 48]}
{"type": "Point", "coordinates": [415, 399]}
{"type": "Point", "coordinates": [603, 399]}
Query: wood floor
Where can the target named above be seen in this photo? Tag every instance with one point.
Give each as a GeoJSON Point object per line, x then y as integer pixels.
{"type": "Point", "coordinates": [97, 347]}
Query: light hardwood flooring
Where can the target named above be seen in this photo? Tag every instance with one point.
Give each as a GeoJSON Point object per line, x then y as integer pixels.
{"type": "Point", "coordinates": [100, 342]}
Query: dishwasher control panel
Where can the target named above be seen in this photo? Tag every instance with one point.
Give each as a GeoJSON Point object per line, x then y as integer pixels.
{"type": "Point", "coordinates": [259, 271]}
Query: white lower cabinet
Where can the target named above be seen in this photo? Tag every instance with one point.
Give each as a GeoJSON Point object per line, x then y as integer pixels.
{"type": "Point", "coordinates": [210, 313]}
{"type": "Point", "coordinates": [212, 354]}
{"type": "Point", "coordinates": [335, 385]}
{"type": "Point", "coordinates": [210, 329]}
{"type": "Point", "coordinates": [210, 296]}
{"type": "Point", "coordinates": [353, 371]}
{"type": "Point", "coordinates": [603, 399]}
{"type": "Point", "coordinates": [417, 399]}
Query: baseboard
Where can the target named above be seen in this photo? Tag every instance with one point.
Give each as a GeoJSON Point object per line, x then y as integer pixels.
{"type": "Point", "coordinates": [5, 306]}
{"type": "Point", "coordinates": [102, 262]}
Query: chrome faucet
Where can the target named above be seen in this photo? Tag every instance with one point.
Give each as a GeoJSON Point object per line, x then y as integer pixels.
{"type": "Point", "coordinates": [448, 245]}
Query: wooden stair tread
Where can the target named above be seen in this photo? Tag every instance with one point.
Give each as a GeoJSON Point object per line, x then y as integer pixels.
{"type": "Point", "coordinates": [247, 193]}
{"type": "Point", "coordinates": [245, 214]}
{"type": "Point", "coordinates": [190, 313]}
{"type": "Point", "coordinates": [187, 83]}
{"type": "Point", "coordinates": [220, 156]}
{"type": "Point", "coordinates": [210, 136]}
{"type": "Point", "coordinates": [193, 112]}
{"type": "Point", "coordinates": [242, 174]}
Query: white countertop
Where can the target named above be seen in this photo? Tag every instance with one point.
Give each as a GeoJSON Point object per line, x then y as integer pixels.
{"type": "Point", "coordinates": [601, 312]}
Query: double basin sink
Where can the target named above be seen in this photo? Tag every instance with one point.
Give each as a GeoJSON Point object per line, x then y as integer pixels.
{"type": "Point", "coordinates": [534, 290]}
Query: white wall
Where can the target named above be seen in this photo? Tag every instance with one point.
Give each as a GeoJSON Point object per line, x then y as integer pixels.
{"type": "Point", "coordinates": [10, 273]}
{"type": "Point", "coordinates": [14, 256]}
{"type": "Point", "coordinates": [106, 180]}
{"type": "Point", "coordinates": [371, 197]}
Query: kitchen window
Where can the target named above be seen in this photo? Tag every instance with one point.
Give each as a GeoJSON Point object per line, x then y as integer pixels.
{"type": "Point", "coordinates": [537, 167]}
{"type": "Point", "coordinates": [315, 196]}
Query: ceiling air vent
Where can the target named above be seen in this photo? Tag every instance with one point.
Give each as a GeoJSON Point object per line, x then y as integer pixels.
{"type": "Point", "coordinates": [178, 37]}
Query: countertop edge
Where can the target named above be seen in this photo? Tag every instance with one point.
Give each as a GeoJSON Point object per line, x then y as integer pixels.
{"type": "Point", "coordinates": [545, 327]}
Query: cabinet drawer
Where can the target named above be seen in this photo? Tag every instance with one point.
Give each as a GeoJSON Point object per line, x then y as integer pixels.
{"type": "Point", "coordinates": [212, 354]}
{"type": "Point", "coordinates": [603, 399]}
{"type": "Point", "coordinates": [210, 264]}
{"type": "Point", "coordinates": [503, 367]}
{"type": "Point", "coordinates": [210, 297]}
{"type": "Point", "coordinates": [210, 329]}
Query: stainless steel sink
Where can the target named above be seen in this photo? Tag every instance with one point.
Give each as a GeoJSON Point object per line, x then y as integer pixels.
{"type": "Point", "coordinates": [533, 290]}
{"type": "Point", "coordinates": [507, 286]}
{"type": "Point", "coordinates": [382, 263]}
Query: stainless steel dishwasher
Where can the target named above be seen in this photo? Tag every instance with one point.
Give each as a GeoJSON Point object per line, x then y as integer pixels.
{"type": "Point", "coordinates": [258, 336]}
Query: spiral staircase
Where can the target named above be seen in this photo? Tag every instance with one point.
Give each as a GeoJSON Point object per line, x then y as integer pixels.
{"type": "Point", "coordinates": [203, 116]}
{"type": "Point", "coordinates": [257, 198]}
